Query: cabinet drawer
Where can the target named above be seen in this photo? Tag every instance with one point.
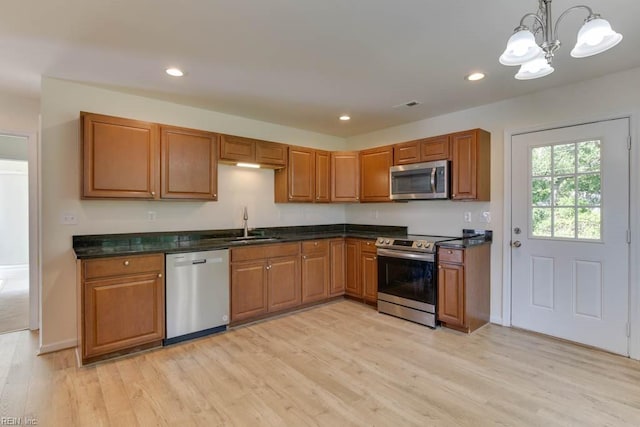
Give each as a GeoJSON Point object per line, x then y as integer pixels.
{"type": "Point", "coordinates": [118, 266]}
{"type": "Point", "coordinates": [368, 246]}
{"type": "Point", "coordinates": [451, 255]}
{"type": "Point", "coordinates": [313, 246]}
{"type": "Point", "coordinates": [265, 251]}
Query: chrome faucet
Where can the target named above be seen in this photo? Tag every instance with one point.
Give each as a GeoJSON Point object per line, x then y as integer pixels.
{"type": "Point", "coordinates": [245, 218]}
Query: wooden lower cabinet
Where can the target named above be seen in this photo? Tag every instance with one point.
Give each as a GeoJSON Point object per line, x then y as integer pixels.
{"type": "Point", "coordinates": [369, 271]}
{"type": "Point", "coordinates": [264, 279]}
{"type": "Point", "coordinates": [248, 289]}
{"type": "Point", "coordinates": [315, 270]}
{"type": "Point", "coordinates": [362, 269]}
{"type": "Point", "coordinates": [352, 258]}
{"type": "Point", "coordinates": [464, 287]}
{"type": "Point", "coordinates": [282, 283]}
{"type": "Point", "coordinates": [337, 260]}
{"type": "Point", "coordinates": [121, 304]}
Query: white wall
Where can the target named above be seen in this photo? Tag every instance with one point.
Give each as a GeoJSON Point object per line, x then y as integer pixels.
{"type": "Point", "coordinates": [599, 98]}
{"type": "Point", "coordinates": [14, 212]}
{"type": "Point", "coordinates": [61, 104]}
{"type": "Point", "coordinates": [19, 113]}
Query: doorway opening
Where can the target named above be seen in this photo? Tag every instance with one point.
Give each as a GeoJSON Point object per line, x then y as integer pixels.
{"type": "Point", "coordinates": [14, 228]}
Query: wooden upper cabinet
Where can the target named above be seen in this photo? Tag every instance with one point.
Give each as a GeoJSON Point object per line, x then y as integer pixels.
{"type": "Point", "coordinates": [406, 153]}
{"type": "Point", "coordinates": [345, 176]}
{"type": "Point", "coordinates": [323, 177]}
{"type": "Point", "coordinates": [471, 165]}
{"type": "Point", "coordinates": [374, 174]}
{"type": "Point", "coordinates": [237, 148]}
{"type": "Point", "coordinates": [189, 164]}
{"type": "Point", "coordinates": [301, 174]}
{"type": "Point", "coordinates": [121, 157]}
{"type": "Point", "coordinates": [234, 149]}
{"type": "Point", "coordinates": [296, 182]}
{"type": "Point", "coordinates": [435, 148]}
{"type": "Point", "coordinates": [271, 153]}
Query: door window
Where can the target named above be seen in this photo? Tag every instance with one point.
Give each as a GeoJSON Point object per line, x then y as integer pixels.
{"type": "Point", "coordinates": [566, 191]}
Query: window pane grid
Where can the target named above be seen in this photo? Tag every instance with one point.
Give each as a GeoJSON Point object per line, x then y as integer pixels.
{"type": "Point", "coordinates": [565, 191]}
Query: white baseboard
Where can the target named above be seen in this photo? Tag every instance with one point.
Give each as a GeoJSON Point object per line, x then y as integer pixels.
{"type": "Point", "coordinates": [496, 319]}
{"type": "Point", "coordinates": [57, 346]}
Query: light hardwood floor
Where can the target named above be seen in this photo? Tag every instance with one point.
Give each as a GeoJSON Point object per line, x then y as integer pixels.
{"type": "Point", "coordinates": [334, 365]}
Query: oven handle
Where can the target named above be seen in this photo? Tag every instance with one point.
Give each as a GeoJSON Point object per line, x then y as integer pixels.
{"type": "Point", "coordinates": [406, 255]}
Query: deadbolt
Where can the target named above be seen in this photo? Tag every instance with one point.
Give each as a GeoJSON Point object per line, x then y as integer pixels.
{"type": "Point", "coordinates": [517, 230]}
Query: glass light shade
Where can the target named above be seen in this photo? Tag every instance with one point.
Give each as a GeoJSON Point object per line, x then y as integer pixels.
{"type": "Point", "coordinates": [521, 48]}
{"type": "Point", "coordinates": [594, 37]}
{"type": "Point", "coordinates": [536, 68]}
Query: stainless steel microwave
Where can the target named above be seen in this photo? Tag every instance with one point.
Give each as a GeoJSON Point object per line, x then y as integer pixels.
{"type": "Point", "coordinates": [420, 181]}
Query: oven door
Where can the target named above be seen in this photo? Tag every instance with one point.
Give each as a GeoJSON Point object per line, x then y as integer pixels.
{"type": "Point", "coordinates": [408, 276]}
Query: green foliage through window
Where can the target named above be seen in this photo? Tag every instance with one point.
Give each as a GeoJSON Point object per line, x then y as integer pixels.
{"type": "Point", "coordinates": [566, 189]}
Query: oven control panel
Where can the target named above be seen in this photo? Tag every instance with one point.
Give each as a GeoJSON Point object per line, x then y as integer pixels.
{"type": "Point", "coordinates": [408, 244]}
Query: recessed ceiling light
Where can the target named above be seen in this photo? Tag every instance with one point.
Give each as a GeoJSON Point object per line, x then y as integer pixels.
{"type": "Point", "coordinates": [474, 76]}
{"type": "Point", "coordinates": [344, 118]}
{"type": "Point", "coordinates": [175, 72]}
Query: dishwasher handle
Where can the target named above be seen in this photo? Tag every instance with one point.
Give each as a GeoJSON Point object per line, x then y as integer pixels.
{"type": "Point", "coordinates": [199, 261]}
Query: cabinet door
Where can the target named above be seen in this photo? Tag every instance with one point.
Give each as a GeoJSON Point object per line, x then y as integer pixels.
{"type": "Point", "coordinates": [322, 178]}
{"type": "Point", "coordinates": [189, 164]}
{"type": "Point", "coordinates": [338, 265]}
{"type": "Point", "coordinates": [451, 294]}
{"type": "Point", "coordinates": [374, 174]}
{"type": "Point", "coordinates": [301, 171]}
{"type": "Point", "coordinates": [120, 158]}
{"type": "Point", "coordinates": [122, 312]}
{"type": "Point", "coordinates": [436, 148]}
{"type": "Point", "coordinates": [352, 284]}
{"type": "Point", "coordinates": [271, 153]}
{"type": "Point", "coordinates": [283, 280]}
{"type": "Point", "coordinates": [237, 148]}
{"type": "Point", "coordinates": [248, 289]}
{"type": "Point", "coordinates": [369, 271]}
{"type": "Point", "coordinates": [471, 165]}
{"type": "Point", "coordinates": [406, 153]}
{"type": "Point", "coordinates": [315, 277]}
{"type": "Point", "coordinates": [345, 176]}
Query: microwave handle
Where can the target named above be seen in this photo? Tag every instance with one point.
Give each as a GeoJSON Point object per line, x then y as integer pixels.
{"type": "Point", "coordinates": [433, 180]}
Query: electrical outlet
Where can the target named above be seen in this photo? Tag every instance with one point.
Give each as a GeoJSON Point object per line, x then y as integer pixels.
{"type": "Point", "coordinates": [486, 217]}
{"type": "Point", "coordinates": [151, 215]}
{"type": "Point", "coordinates": [68, 218]}
{"type": "Point", "coordinates": [467, 217]}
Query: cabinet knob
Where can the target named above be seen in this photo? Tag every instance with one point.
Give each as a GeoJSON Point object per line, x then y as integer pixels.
{"type": "Point", "coordinates": [268, 267]}
{"type": "Point", "coordinates": [375, 257]}
{"type": "Point", "coordinates": [439, 267]}
{"type": "Point", "coordinates": [153, 193]}
{"type": "Point", "coordinates": [453, 195]}
{"type": "Point", "coordinates": [159, 274]}
{"type": "Point", "coordinates": [304, 257]}
{"type": "Point", "coordinates": [315, 243]}
{"type": "Point", "coordinates": [126, 263]}
{"type": "Point", "coordinates": [215, 195]}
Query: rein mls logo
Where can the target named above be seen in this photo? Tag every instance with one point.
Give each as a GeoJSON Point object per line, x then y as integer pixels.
{"type": "Point", "coordinates": [18, 421]}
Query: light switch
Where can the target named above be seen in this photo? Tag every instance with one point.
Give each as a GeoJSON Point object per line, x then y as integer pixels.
{"type": "Point", "coordinates": [68, 218]}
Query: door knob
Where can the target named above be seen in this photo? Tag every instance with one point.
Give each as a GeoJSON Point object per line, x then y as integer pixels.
{"type": "Point", "coordinates": [516, 244]}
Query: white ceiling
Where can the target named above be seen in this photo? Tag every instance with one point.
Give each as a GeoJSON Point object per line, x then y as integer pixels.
{"type": "Point", "coordinates": [299, 63]}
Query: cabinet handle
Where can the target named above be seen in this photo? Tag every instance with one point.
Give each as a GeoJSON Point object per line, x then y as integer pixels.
{"type": "Point", "coordinates": [160, 275]}
{"type": "Point", "coordinates": [126, 263]}
{"type": "Point", "coordinates": [449, 252]}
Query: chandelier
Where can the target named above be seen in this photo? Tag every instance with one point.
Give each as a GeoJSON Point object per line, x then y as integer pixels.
{"type": "Point", "coordinates": [535, 58]}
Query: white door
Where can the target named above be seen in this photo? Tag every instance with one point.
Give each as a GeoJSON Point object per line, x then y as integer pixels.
{"type": "Point", "coordinates": [570, 219]}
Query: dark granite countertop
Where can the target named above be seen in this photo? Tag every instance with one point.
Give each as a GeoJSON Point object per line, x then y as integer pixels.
{"type": "Point", "coordinates": [109, 245]}
{"type": "Point", "coordinates": [470, 238]}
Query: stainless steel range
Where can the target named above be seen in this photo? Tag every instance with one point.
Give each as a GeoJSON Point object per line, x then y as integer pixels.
{"type": "Point", "coordinates": [408, 278]}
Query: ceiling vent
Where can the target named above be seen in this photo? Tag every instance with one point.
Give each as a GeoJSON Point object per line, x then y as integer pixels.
{"type": "Point", "coordinates": [407, 104]}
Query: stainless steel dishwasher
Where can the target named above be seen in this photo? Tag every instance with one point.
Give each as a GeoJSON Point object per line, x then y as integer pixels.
{"type": "Point", "coordinates": [197, 294]}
